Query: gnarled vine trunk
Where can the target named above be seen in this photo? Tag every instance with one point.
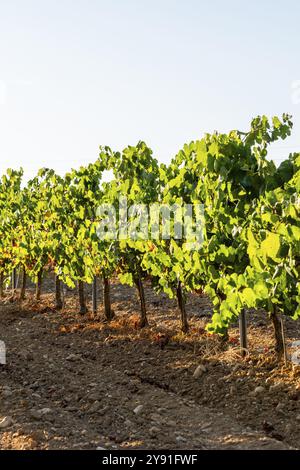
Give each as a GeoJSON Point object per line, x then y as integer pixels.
{"type": "Point", "coordinates": [109, 314]}
{"type": "Point", "coordinates": [141, 292]}
{"type": "Point", "coordinates": [14, 279]}
{"type": "Point", "coordinates": [1, 285]}
{"type": "Point", "coordinates": [243, 332]}
{"type": "Point", "coordinates": [82, 300]}
{"type": "Point", "coordinates": [94, 295]}
{"type": "Point", "coordinates": [58, 296]}
{"type": "Point", "coordinates": [39, 285]}
{"type": "Point", "coordinates": [279, 346]}
{"type": "Point", "coordinates": [182, 309]}
{"type": "Point", "coordinates": [23, 286]}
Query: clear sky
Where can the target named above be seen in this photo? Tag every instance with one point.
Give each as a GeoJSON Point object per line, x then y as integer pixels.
{"type": "Point", "coordinates": [75, 74]}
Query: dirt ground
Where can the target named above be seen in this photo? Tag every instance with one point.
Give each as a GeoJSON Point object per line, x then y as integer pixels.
{"type": "Point", "coordinates": [74, 382]}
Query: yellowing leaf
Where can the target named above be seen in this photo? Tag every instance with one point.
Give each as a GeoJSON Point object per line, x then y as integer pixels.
{"type": "Point", "coordinates": [270, 246]}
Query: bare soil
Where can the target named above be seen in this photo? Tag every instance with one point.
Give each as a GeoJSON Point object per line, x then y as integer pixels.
{"type": "Point", "coordinates": [73, 382]}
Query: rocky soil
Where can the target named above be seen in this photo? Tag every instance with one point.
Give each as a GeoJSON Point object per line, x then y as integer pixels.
{"type": "Point", "coordinates": [73, 382]}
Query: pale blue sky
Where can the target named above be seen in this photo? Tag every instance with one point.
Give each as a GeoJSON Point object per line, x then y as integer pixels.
{"type": "Point", "coordinates": [75, 74]}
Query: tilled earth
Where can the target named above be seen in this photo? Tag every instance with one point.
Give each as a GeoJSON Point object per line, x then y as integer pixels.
{"type": "Point", "coordinates": [73, 382]}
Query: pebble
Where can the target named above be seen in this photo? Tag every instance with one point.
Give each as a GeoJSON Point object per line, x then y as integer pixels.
{"type": "Point", "coordinates": [6, 387]}
{"type": "Point", "coordinates": [153, 431]}
{"type": "Point", "coordinates": [200, 370]}
{"type": "Point", "coordinates": [289, 428]}
{"type": "Point", "coordinates": [161, 410]}
{"type": "Point", "coordinates": [128, 423]}
{"type": "Point", "coordinates": [71, 408]}
{"type": "Point", "coordinates": [6, 422]}
{"type": "Point", "coordinates": [155, 417]}
{"type": "Point", "coordinates": [258, 390]}
{"type": "Point", "coordinates": [280, 407]}
{"type": "Point", "coordinates": [94, 407]}
{"type": "Point", "coordinates": [138, 409]}
{"type": "Point", "coordinates": [38, 414]}
{"type": "Point", "coordinates": [276, 387]}
{"type": "Point", "coordinates": [171, 423]}
{"type": "Point", "coordinates": [45, 411]}
{"type": "Point", "coordinates": [73, 357]}
{"type": "Point", "coordinates": [103, 410]}
{"type": "Point", "coordinates": [93, 397]}
{"type": "Point", "coordinates": [296, 358]}
{"type": "Point", "coordinates": [206, 425]}
{"type": "Point", "coordinates": [35, 385]}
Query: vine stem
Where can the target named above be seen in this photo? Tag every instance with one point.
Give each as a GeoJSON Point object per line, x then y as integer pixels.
{"type": "Point", "coordinates": [284, 342]}
{"type": "Point", "coordinates": [243, 332]}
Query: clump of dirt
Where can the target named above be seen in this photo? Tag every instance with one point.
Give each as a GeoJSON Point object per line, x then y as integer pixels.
{"type": "Point", "coordinates": [77, 382]}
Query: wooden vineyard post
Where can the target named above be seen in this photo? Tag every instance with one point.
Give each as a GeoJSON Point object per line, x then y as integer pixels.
{"type": "Point", "coordinates": [243, 332]}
